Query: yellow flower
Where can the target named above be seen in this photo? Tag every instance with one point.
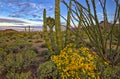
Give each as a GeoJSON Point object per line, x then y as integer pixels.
{"type": "Point", "coordinates": [71, 62]}
{"type": "Point", "coordinates": [106, 63]}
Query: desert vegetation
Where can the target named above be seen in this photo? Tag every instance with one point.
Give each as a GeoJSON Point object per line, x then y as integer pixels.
{"type": "Point", "coordinates": [85, 51]}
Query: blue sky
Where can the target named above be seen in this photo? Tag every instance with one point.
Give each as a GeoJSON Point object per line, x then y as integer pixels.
{"type": "Point", "coordinates": [29, 12]}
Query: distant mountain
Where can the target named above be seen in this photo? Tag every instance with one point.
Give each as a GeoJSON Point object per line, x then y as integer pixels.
{"type": "Point", "coordinates": [21, 28]}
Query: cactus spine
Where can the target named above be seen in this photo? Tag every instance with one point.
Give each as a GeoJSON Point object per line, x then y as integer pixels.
{"type": "Point", "coordinates": [45, 32]}
{"type": "Point", "coordinates": [68, 24]}
{"type": "Point", "coordinates": [58, 25]}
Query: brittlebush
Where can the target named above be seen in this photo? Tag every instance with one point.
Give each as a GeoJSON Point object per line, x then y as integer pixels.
{"type": "Point", "coordinates": [75, 63]}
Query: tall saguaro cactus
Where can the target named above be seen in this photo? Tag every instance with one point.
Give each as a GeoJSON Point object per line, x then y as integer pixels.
{"type": "Point", "coordinates": [58, 25]}
{"type": "Point", "coordinates": [45, 32]}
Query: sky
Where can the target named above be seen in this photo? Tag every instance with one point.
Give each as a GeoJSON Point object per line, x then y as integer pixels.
{"type": "Point", "coordinates": [30, 12]}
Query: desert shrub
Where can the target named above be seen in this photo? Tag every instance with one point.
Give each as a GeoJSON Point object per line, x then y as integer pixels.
{"type": "Point", "coordinates": [112, 72]}
{"type": "Point", "coordinates": [34, 49]}
{"type": "Point", "coordinates": [10, 32]}
{"type": "Point", "coordinates": [18, 62]}
{"type": "Point", "coordinates": [16, 58]}
{"type": "Point", "coordinates": [44, 52]}
{"type": "Point", "coordinates": [44, 45]}
{"type": "Point", "coordinates": [16, 46]}
{"type": "Point", "coordinates": [30, 40]}
{"type": "Point", "coordinates": [116, 36]}
{"type": "Point", "coordinates": [78, 63]}
{"type": "Point", "coordinates": [47, 70]}
{"type": "Point", "coordinates": [36, 36]}
{"type": "Point", "coordinates": [19, 76]}
{"type": "Point", "coordinates": [38, 41]}
{"type": "Point", "coordinates": [30, 58]}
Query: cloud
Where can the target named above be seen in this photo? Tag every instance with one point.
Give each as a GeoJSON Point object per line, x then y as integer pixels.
{"type": "Point", "coordinates": [6, 20]}
{"type": "Point", "coordinates": [30, 5]}
{"type": "Point", "coordinates": [36, 20]}
{"type": "Point", "coordinates": [30, 10]}
{"type": "Point", "coordinates": [11, 0]}
{"type": "Point", "coordinates": [15, 15]}
{"type": "Point", "coordinates": [50, 8]}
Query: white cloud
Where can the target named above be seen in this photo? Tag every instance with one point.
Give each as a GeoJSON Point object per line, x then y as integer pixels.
{"type": "Point", "coordinates": [18, 22]}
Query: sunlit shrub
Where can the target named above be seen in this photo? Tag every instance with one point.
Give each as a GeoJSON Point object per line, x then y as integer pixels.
{"type": "Point", "coordinates": [16, 57]}
{"type": "Point", "coordinates": [77, 63]}
{"type": "Point", "coordinates": [47, 70]}
{"type": "Point", "coordinates": [22, 75]}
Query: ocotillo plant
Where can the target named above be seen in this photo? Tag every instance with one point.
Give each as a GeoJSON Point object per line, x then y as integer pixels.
{"type": "Point", "coordinates": [45, 32]}
{"type": "Point", "coordinates": [58, 25]}
{"type": "Point", "coordinates": [68, 24]}
{"type": "Point", "coordinates": [98, 38]}
{"type": "Point", "coordinates": [50, 24]}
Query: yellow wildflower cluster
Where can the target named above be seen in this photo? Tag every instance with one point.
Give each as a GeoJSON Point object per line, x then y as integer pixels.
{"type": "Point", "coordinates": [76, 63]}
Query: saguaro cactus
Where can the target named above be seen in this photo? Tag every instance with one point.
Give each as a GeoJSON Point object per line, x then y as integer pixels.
{"type": "Point", "coordinates": [58, 25]}
{"type": "Point", "coordinates": [28, 28]}
{"type": "Point", "coordinates": [25, 29]}
{"type": "Point", "coordinates": [45, 32]}
{"type": "Point", "coordinates": [51, 23]}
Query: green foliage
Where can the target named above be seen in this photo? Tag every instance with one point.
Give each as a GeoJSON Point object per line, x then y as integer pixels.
{"type": "Point", "coordinates": [18, 62]}
{"type": "Point", "coordinates": [45, 52]}
{"type": "Point", "coordinates": [47, 70]}
{"type": "Point", "coordinates": [112, 72]}
{"type": "Point", "coordinates": [15, 57]}
{"type": "Point", "coordinates": [44, 45]}
{"type": "Point", "coordinates": [19, 76]}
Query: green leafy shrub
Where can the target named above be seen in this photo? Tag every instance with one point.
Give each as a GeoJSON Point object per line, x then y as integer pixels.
{"type": "Point", "coordinates": [20, 61]}
{"type": "Point", "coordinates": [47, 70]}
{"type": "Point", "coordinates": [16, 58]}
{"type": "Point", "coordinates": [112, 72]}
{"type": "Point", "coordinates": [19, 76]}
